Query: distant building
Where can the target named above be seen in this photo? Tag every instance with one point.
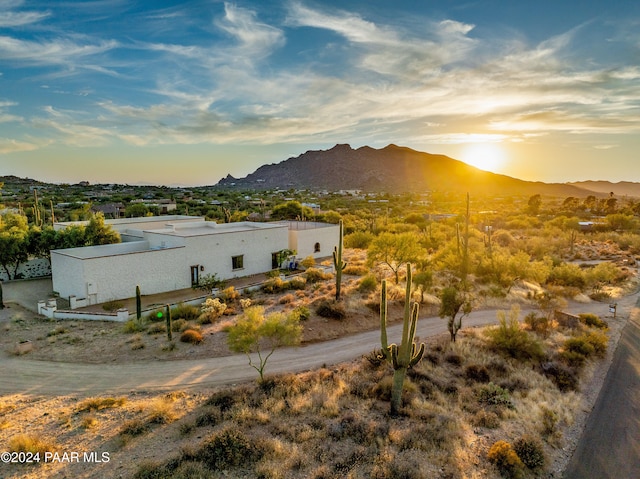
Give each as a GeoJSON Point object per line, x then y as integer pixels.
{"type": "Point", "coordinates": [163, 254]}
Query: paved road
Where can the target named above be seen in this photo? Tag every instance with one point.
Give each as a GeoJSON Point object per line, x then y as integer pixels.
{"type": "Point", "coordinates": [610, 444]}
{"type": "Point", "coordinates": [22, 375]}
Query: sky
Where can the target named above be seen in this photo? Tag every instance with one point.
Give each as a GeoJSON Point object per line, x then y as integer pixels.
{"type": "Point", "coordinates": [186, 92]}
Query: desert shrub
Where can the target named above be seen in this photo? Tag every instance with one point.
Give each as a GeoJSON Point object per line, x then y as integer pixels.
{"type": "Point", "coordinates": [227, 448]}
{"type": "Point", "coordinates": [477, 373]}
{"type": "Point", "coordinates": [368, 284]}
{"type": "Point", "coordinates": [503, 238]}
{"type": "Point", "coordinates": [358, 239]}
{"type": "Point", "coordinates": [133, 326]}
{"type": "Point", "coordinates": [229, 294]}
{"type": "Point", "coordinates": [302, 313]}
{"type": "Point", "coordinates": [502, 455]}
{"type": "Point", "coordinates": [157, 328]}
{"type": "Point", "coordinates": [487, 419]}
{"type": "Point", "coordinates": [454, 359]}
{"type": "Point", "coordinates": [562, 376]}
{"type": "Point", "coordinates": [224, 400]}
{"type": "Point", "coordinates": [549, 421]}
{"type": "Point", "coordinates": [155, 315]}
{"type": "Point", "coordinates": [274, 285]}
{"type": "Point", "coordinates": [286, 299]}
{"type": "Point", "coordinates": [538, 324]}
{"type": "Point", "coordinates": [177, 325]}
{"type": "Point", "coordinates": [161, 411]}
{"type": "Point", "coordinates": [567, 274]}
{"type": "Point", "coordinates": [604, 273]}
{"type": "Point", "coordinates": [185, 311]}
{"type": "Point", "coordinates": [211, 310]}
{"type": "Point", "coordinates": [599, 341]}
{"type": "Point", "coordinates": [579, 345]}
{"type": "Point", "coordinates": [297, 282]}
{"type": "Point", "coordinates": [308, 262]}
{"type": "Point", "coordinates": [112, 305]}
{"type": "Point", "coordinates": [356, 270]}
{"type": "Point", "coordinates": [96, 404]}
{"type": "Point", "coordinates": [330, 309]}
{"type": "Point", "coordinates": [593, 320]}
{"type": "Point", "coordinates": [191, 336]}
{"type": "Point", "coordinates": [314, 275]}
{"type": "Point", "coordinates": [531, 452]}
{"type": "Point", "coordinates": [493, 395]}
{"type": "Point", "coordinates": [31, 443]}
{"type": "Point", "coordinates": [134, 427]}
{"type": "Point", "coordinates": [510, 339]}
{"type": "Point", "coordinates": [211, 416]}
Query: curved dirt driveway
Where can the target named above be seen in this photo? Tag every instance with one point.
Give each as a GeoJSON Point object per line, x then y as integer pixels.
{"type": "Point", "coordinates": [20, 375]}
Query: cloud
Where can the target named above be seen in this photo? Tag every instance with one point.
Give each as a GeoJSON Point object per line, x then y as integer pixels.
{"type": "Point", "coordinates": [8, 146]}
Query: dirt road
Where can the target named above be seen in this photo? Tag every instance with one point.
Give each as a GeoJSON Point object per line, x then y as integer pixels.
{"type": "Point", "coordinates": [21, 375]}
{"type": "Point", "coordinates": [610, 444]}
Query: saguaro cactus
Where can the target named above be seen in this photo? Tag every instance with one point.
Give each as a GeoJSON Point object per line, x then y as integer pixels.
{"type": "Point", "coordinates": [1, 297]}
{"type": "Point", "coordinates": [338, 264]}
{"type": "Point", "coordinates": [138, 304]}
{"type": "Point", "coordinates": [406, 355]}
{"type": "Point", "coordinates": [168, 318]}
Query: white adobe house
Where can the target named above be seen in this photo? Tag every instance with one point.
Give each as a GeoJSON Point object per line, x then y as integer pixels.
{"type": "Point", "coordinates": [163, 254]}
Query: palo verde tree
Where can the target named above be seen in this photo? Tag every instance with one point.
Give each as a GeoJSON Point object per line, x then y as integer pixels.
{"type": "Point", "coordinates": [338, 264]}
{"type": "Point", "coordinates": [395, 251]}
{"type": "Point", "coordinates": [259, 334]}
{"type": "Point", "coordinates": [406, 355]}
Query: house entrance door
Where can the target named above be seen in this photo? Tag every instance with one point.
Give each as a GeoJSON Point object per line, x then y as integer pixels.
{"type": "Point", "coordinates": [195, 279]}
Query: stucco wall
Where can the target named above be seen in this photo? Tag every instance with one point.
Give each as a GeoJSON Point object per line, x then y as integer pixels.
{"type": "Point", "coordinates": [303, 241]}
{"type": "Point", "coordinates": [214, 252]}
{"type": "Point", "coordinates": [116, 276]}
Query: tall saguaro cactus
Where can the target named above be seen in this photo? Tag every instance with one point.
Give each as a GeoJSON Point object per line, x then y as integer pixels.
{"type": "Point", "coordinates": [338, 264]}
{"type": "Point", "coordinates": [407, 354]}
{"type": "Point", "coordinates": [1, 297]}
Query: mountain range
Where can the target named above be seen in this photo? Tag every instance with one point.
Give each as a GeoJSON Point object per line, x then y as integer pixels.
{"type": "Point", "coordinates": [397, 169]}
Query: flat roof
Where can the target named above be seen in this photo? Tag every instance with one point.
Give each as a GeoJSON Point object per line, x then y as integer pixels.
{"type": "Point", "coordinates": [204, 228]}
{"type": "Point", "coordinates": [116, 249]}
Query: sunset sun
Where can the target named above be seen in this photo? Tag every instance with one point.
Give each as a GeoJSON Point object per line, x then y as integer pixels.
{"type": "Point", "coordinates": [486, 156]}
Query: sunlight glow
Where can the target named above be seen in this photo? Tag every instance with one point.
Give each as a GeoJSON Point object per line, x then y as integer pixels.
{"type": "Point", "coordinates": [489, 156]}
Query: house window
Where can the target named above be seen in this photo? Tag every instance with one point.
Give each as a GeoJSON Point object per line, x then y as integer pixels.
{"type": "Point", "coordinates": [316, 248]}
{"type": "Point", "coordinates": [237, 262]}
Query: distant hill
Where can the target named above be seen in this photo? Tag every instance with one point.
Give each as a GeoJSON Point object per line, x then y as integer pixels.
{"type": "Point", "coordinates": [391, 169]}
{"type": "Point", "coordinates": [622, 188]}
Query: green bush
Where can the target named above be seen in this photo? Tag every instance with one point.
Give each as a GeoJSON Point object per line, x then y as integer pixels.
{"type": "Point", "coordinates": [368, 284]}
{"type": "Point", "coordinates": [228, 448]}
{"type": "Point", "coordinates": [329, 309]}
{"type": "Point", "coordinates": [599, 341]}
{"type": "Point", "coordinates": [567, 274]}
{"type": "Point", "coordinates": [133, 326]}
{"type": "Point", "coordinates": [355, 270]}
{"type": "Point", "coordinates": [531, 452]}
{"type": "Point", "coordinates": [359, 240]}
{"type": "Point", "coordinates": [502, 455]}
{"type": "Point", "coordinates": [563, 377]}
{"type": "Point", "coordinates": [314, 275]}
{"type": "Point", "coordinates": [302, 313]}
{"type": "Point", "coordinates": [185, 311]}
{"type": "Point", "coordinates": [593, 320]}
{"type": "Point", "coordinates": [538, 324]}
{"type": "Point", "coordinates": [191, 336]}
{"type": "Point", "coordinates": [510, 339]}
{"type": "Point", "coordinates": [493, 395]}
{"type": "Point", "coordinates": [477, 373]}
{"type": "Point", "coordinates": [274, 285]}
{"type": "Point", "coordinates": [297, 282]}
{"type": "Point", "coordinates": [229, 294]}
